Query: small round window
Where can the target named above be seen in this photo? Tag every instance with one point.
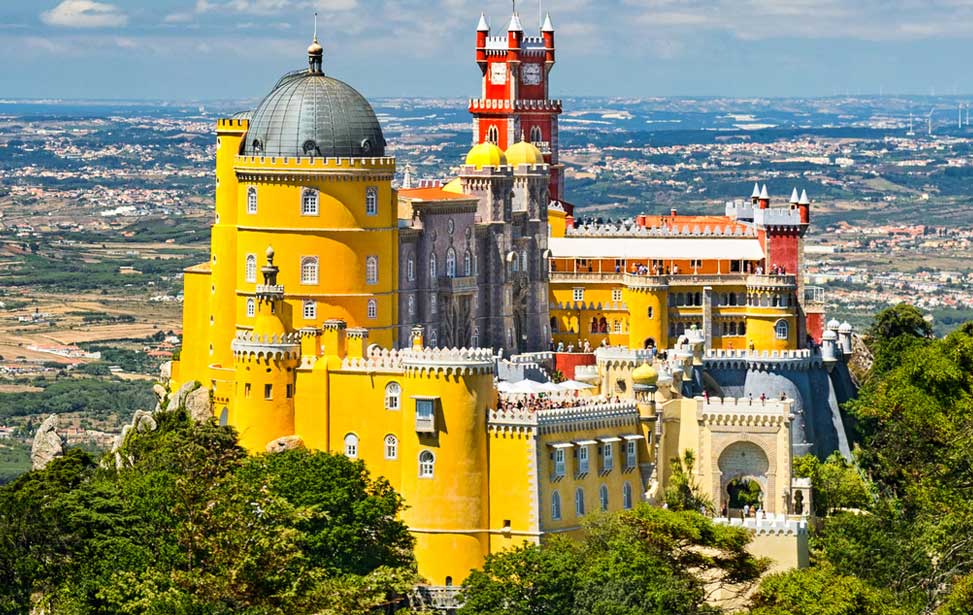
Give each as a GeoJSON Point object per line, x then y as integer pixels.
{"type": "Point", "coordinates": [450, 226]}
{"type": "Point", "coordinates": [258, 145]}
{"type": "Point", "coordinates": [366, 145]}
{"type": "Point", "coordinates": [311, 148]}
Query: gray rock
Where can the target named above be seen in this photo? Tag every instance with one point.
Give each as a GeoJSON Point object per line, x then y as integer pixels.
{"type": "Point", "coordinates": [178, 399]}
{"type": "Point", "coordinates": [47, 444]}
{"type": "Point", "coordinates": [198, 405]}
{"type": "Point", "coordinates": [143, 421]}
{"type": "Point", "coordinates": [165, 371]}
{"type": "Point", "coordinates": [160, 392]}
{"type": "Point", "coordinates": [287, 443]}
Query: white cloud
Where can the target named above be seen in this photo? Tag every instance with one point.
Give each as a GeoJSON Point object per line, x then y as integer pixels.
{"type": "Point", "coordinates": [84, 14]}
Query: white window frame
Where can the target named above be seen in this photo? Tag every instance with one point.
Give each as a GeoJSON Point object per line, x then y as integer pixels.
{"type": "Point", "coordinates": [252, 200]}
{"type": "Point", "coordinates": [524, 262]}
{"type": "Point", "coordinates": [310, 202]}
{"type": "Point", "coordinates": [251, 307]}
{"type": "Point", "coordinates": [371, 270]}
{"type": "Point", "coordinates": [493, 134]}
{"type": "Point", "coordinates": [467, 264]}
{"type": "Point", "coordinates": [310, 309]}
{"type": "Point", "coordinates": [782, 329]}
{"type": "Point", "coordinates": [372, 309]}
{"type": "Point", "coordinates": [631, 454]}
{"type": "Point", "coordinates": [410, 268]}
{"type": "Point", "coordinates": [351, 446]}
{"type": "Point", "coordinates": [371, 201]}
{"type": "Point", "coordinates": [433, 273]}
{"type": "Point", "coordinates": [250, 268]}
{"type": "Point", "coordinates": [309, 270]}
{"type": "Point", "coordinates": [617, 295]}
{"type": "Point", "coordinates": [559, 465]}
{"type": "Point", "coordinates": [578, 294]}
{"type": "Point", "coordinates": [427, 464]}
{"type": "Point", "coordinates": [607, 457]}
{"type": "Point", "coordinates": [579, 502]}
{"type": "Point", "coordinates": [556, 505]}
{"type": "Point", "coordinates": [393, 396]}
{"type": "Point", "coordinates": [603, 496]}
{"type": "Point", "coordinates": [391, 447]}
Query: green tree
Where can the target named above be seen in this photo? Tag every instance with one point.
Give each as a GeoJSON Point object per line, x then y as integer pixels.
{"type": "Point", "coordinates": [836, 483]}
{"type": "Point", "coordinates": [820, 590]}
{"type": "Point", "coordinates": [683, 492]}
{"type": "Point", "coordinates": [647, 560]}
{"type": "Point", "coordinates": [893, 332]}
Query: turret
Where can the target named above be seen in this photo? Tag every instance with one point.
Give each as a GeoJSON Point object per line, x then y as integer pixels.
{"type": "Point", "coordinates": [844, 338]}
{"type": "Point", "coordinates": [756, 193]}
{"type": "Point", "coordinates": [763, 201]}
{"type": "Point", "coordinates": [482, 32]}
{"type": "Point", "coordinates": [547, 31]}
{"type": "Point", "coordinates": [804, 207]}
{"type": "Point", "coordinates": [794, 198]}
{"type": "Point", "coordinates": [515, 38]}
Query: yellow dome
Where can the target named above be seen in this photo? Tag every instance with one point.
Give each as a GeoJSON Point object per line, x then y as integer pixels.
{"type": "Point", "coordinates": [267, 323]}
{"type": "Point", "coordinates": [455, 186]}
{"type": "Point", "coordinates": [645, 374]}
{"type": "Point", "coordinates": [524, 152]}
{"type": "Point", "coordinates": [486, 155]}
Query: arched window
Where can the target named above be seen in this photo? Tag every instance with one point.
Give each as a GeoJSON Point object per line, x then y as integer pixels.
{"type": "Point", "coordinates": [427, 464]}
{"type": "Point", "coordinates": [251, 268]}
{"type": "Point", "coordinates": [433, 339]}
{"type": "Point", "coordinates": [412, 305]}
{"type": "Point", "coordinates": [603, 497]}
{"type": "Point", "coordinates": [309, 202]}
{"type": "Point", "coordinates": [468, 264]}
{"type": "Point", "coordinates": [393, 394]}
{"type": "Point", "coordinates": [391, 447]}
{"type": "Point", "coordinates": [372, 309]}
{"type": "Point", "coordinates": [351, 446]}
{"type": "Point", "coordinates": [310, 310]}
{"type": "Point", "coordinates": [410, 268]}
{"type": "Point", "coordinates": [371, 201]}
{"type": "Point", "coordinates": [523, 261]}
{"type": "Point", "coordinates": [651, 312]}
{"type": "Point", "coordinates": [553, 324]}
{"type": "Point", "coordinates": [579, 502]}
{"type": "Point", "coordinates": [627, 495]}
{"type": "Point", "coordinates": [535, 134]}
{"type": "Point", "coordinates": [475, 338]}
{"type": "Point", "coordinates": [309, 270]}
{"type": "Point", "coordinates": [251, 200]}
{"type": "Point", "coordinates": [742, 329]}
{"type": "Point", "coordinates": [781, 329]}
{"type": "Point", "coordinates": [225, 418]}
{"type": "Point", "coordinates": [251, 308]}
{"type": "Point", "coordinates": [555, 505]}
{"type": "Point", "coordinates": [432, 267]}
{"type": "Point", "coordinates": [371, 270]}
{"type": "Point", "coordinates": [450, 263]}
{"type": "Point", "coordinates": [493, 135]}
{"type": "Point", "coordinates": [733, 328]}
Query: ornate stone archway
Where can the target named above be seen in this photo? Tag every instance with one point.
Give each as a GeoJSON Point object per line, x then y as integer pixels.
{"type": "Point", "coordinates": [743, 460]}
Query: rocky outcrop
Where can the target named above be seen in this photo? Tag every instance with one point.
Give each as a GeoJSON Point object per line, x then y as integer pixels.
{"type": "Point", "coordinates": [199, 406]}
{"type": "Point", "coordinates": [47, 444]}
{"type": "Point", "coordinates": [287, 443]}
{"type": "Point", "coordinates": [178, 399]}
{"type": "Point", "coordinates": [143, 421]}
{"type": "Point", "coordinates": [861, 360]}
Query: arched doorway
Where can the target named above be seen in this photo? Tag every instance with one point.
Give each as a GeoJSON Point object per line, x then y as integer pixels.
{"type": "Point", "coordinates": [743, 468]}
{"type": "Point", "coordinates": [649, 343]}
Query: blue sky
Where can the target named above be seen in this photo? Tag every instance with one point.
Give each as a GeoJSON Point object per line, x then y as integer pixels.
{"type": "Point", "coordinates": [229, 49]}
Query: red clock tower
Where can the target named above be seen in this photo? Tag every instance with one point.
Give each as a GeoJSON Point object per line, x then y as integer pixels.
{"type": "Point", "coordinates": [513, 104]}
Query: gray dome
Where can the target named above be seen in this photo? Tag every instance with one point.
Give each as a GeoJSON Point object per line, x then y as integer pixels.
{"type": "Point", "coordinates": [309, 114]}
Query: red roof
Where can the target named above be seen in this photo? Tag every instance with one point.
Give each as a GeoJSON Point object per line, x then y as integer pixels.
{"type": "Point", "coordinates": [433, 194]}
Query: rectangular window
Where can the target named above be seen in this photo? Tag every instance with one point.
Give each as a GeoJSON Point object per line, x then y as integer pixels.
{"type": "Point", "coordinates": [268, 391]}
{"type": "Point", "coordinates": [583, 460]}
{"type": "Point", "coordinates": [630, 454]}
{"type": "Point", "coordinates": [579, 294]}
{"type": "Point", "coordinates": [425, 415]}
{"type": "Point", "coordinates": [559, 462]}
{"type": "Point", "coordinates": [617, 295]}
{"type": "Point", "coordinates": [290, 391]}
{"type": "Point", "coordinates": [371, 201]}
{"type": "Point", "coordinates": [309, 203]}
{"type": "Point", "coordinates": [310, 310]}
{"type": "Point", "coordinates": [607, 458]}
{"type": "Point", "coordinates": [246, 390]}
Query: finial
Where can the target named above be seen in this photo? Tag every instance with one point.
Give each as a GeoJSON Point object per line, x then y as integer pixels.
{"type": "Point", "coordinates": [483, 26]}
{"type": "Point", "coordinates": [315, 26]}
{"type": "Point", "coordinates": [523, 135]}
{"type": "Point", "coordinates": [315, 53]}
{"type": "Point", "coordinates": [270, 255]}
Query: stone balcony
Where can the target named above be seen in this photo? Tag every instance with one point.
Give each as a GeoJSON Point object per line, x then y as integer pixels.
{"type": "Point", "coordinates": [465, 284]}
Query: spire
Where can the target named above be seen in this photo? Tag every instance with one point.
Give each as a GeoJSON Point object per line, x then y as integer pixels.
{"type": "Point", "coordinates": [483, 26]}
{"type": "Point", "coordinates": [794, 197]}
{"type": "Point", "coordinates": [764, 194]}
{"type": "Point", "coordinates": [315, 52]}
{"type": "Point", "coordinates": [804, 200]}
{"type": "Point", "coordinates": [756, 191]}
{"type": "Point", "coordinates": [548, 25]}
{"type": "Point", "coordinates": [515, 20]}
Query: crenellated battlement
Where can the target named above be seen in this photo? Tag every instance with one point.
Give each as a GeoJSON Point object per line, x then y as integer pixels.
{"type": "Point", "coordinates": [447, 360]}
{"type": "Point", "coordinates": [256, 164]}
{"type": "Point", "coordinates": [232, 124]}
{"type": "Point", "coordinates": [775, 360]}
{"type": "Point", "coordinates": [553, 420]}
{"type": "Point", "coordinates": [731, 411]}
{"type": "Point", "coordinates": [771, 525]}
{"type": "Point", "coordinates": [495, 104]}
{"type": "Point", "coordinates": [629, 228]}
{"type": "Point", "coordinates": [247, 344]}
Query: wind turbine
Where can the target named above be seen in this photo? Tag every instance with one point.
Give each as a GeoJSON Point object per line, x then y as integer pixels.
{"type": "Point", "coordinates": [911, 132]}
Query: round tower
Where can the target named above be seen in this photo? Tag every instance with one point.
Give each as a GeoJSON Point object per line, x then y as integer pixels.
{"type": "Point", "coordinates": [264, 360]}
{"type": "Point", "coordinates": [647, 298]}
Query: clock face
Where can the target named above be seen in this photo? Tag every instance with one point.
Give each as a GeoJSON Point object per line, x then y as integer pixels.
{"type": "Point", "coordinates": [498, 73]}
{"type": "Point", "coordinates": [531, 74]}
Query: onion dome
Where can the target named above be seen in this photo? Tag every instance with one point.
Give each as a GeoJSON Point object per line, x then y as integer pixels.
{"type": "Point", "coordinates": [845, 327]}
{"type": "Point", "coordinates": [829, 335]}
{"type": "Point", "coordinates": [524, 152]}
{"type": "Point", "coordinates": [309, 114]}
{"type": "Point", "coordinates": [645, 375]}
{"type": "Point", "coordinates": [833, 324]}
{"type": "Point", "coordinates": [486, 155]}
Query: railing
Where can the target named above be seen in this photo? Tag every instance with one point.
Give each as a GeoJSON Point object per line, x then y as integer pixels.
{"type": "Point", "coordinates": [813, 295]}
{"type": "Point", "coordinates": [440, 597]}
{"type": "Point", "coordinates": [584, 276]}
{"type": "Point", "coordinates": [464, 284]}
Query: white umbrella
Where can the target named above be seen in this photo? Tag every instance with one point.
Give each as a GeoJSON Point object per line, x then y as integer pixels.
{"type": "Point", "coordinates": [525, 387]}
{"type": "Point", "coordinates": [550, 387]}
{"type": "Point", "coordinates": [574, 385]}
{"type": "Point", "coordinates": [504, 387]}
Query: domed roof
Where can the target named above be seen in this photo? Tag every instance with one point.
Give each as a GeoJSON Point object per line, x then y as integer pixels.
{"type": "Point", "coordinates": [455, 186]}
{"type": "Point", "coordinates": [524, 152]}
{"type": "Point", "coordinates": [845, 327]}
{"type": "Point", "coordinates": [309, 114]}
{"type": "Point", "coordinates": [829, 335]}
{"type": "Point", "coordinates": [486, 154]}
{"type": "Point", "coordinates": [833, 324]}
{"type": "Point", "coordinates": [645, 375]}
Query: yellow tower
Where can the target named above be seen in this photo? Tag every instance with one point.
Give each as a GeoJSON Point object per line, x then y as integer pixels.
{"type": "Point", "coordinates": [647, 300]}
